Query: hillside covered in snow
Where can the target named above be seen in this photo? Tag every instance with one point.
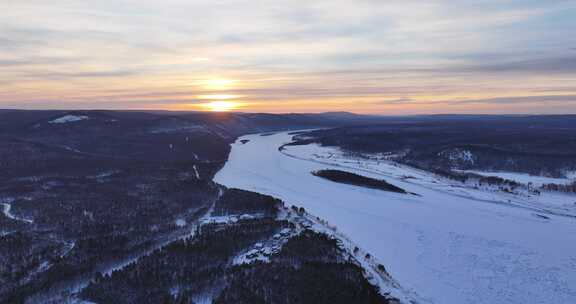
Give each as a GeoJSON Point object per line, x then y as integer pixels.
{"type": "Point", "coordinates": [120, 207]}
{"type": "Point", "coordinates": [185, 207]}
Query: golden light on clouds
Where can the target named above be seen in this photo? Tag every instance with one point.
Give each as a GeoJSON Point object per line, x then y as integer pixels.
{"type": "Point", "coordinates": [201, 59]}
{"type": "Point", "coordinates": [106, 57]}
{"type": "Point", "coordinates": [218, 96]}
{"type": "Point", "coordinates": [218, 84]}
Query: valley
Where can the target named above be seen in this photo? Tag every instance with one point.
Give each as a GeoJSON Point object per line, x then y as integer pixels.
{"type": "Point", "coordinates": [120, 207]}
{"type": "Point", "coordinates": [149, 207]}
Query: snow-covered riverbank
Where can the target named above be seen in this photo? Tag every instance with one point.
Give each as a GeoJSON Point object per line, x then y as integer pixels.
{"type": "Point", "coordinates": [544, 203]}
{"type": "Point", "coordinates": [446, 247]}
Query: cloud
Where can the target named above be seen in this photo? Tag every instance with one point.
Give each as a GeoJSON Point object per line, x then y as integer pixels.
{"type": "Point", "coordinates": [62, 76]}
{"type": "Point", "coordinates": [385, 52]}
{"type": "Point", "coordinates": [521, 100]}
{"type": "Point", "coordinates": [561, 64]}
{"type": "Point", "coordinates": [34, 61]}
{"type": "Point", "coordinates": [13, 62]}
{"type": "Point", "coordinates": [403, 100]}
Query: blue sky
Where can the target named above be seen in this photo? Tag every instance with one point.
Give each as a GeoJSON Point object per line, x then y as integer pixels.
{"type": "Point", "coordinates": [369, 56]}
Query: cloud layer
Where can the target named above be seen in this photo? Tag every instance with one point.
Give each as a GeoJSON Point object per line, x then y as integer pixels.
{"type": "Point", "coordinates": [389, 57]}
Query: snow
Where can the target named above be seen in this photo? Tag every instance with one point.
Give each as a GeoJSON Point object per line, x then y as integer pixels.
{"type": "Point", "coordinates": [101, 177]}
{"type": "Point", "coordinates": [7, 210]}
{"type": "Point", "coordinates": [451, 244]}
{"type": "Point", "coordinates": [458, 156]}
{"type": "Point", "coordinates": [525, 178]}
{"type": "Point", "coordinates": [204, 298]}
{"type": "Point", "coordinates": [262, 251]}
{"type": "Point", "coordinates": [387, 285]}
{"type": "Point", "coordinates": [69, 118]}
{"type": "Point", "coordinates": [546, 202]}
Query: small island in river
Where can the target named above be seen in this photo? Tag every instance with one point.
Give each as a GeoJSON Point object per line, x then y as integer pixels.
{"type": "Point", "coordinates": [357, 180]}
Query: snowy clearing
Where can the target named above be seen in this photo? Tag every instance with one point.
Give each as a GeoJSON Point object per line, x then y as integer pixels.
{"type": "Point", "coordinates": [449, 245]}
{"type": "Point", "coordinates": [69, 118]}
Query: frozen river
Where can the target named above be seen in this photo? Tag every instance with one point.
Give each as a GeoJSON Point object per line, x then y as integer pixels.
{"type": "Point", "coordinates": [444, 247]}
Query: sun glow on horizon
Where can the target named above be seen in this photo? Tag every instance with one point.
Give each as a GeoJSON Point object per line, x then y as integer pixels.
{"type": "Point", "coordinates": [220, 106]}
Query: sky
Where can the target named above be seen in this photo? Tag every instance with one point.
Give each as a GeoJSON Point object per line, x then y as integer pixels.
{"type": "Point", "coordinates": [366, 56]}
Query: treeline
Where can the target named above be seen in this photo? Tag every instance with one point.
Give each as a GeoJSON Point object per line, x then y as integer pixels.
{"type": "Point", "coordinates": [480, 180]}
{"type": "Point", "coordinates": [568, 188]}
{"type": "Point", "coordinates": [237, 202]}
{"type": "Point", "coordinates": [483, 143]}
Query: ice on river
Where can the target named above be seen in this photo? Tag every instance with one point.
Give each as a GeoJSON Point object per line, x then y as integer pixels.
{"type": "Point", "coordinates": [445, 247]}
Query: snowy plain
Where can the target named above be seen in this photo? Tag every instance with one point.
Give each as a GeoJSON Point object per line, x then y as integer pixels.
{"type": "Point", "coordinates": [446, 245]}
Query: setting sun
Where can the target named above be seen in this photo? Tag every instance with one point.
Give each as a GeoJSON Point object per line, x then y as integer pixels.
{"type": "Point", "coordinates": [220, 106]}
